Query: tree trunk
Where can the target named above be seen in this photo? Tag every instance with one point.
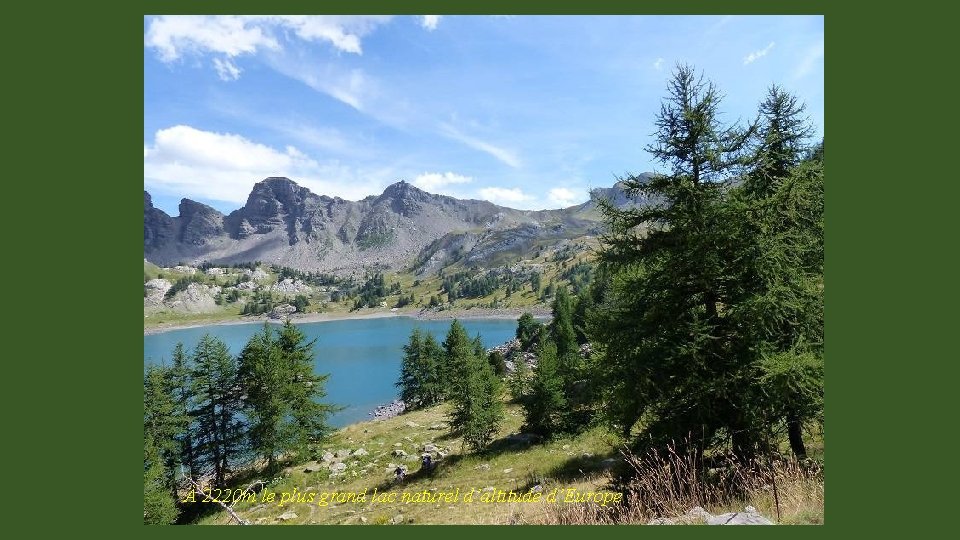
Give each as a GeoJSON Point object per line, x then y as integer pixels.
{"type": "Point", "coordinates": [795, 433]}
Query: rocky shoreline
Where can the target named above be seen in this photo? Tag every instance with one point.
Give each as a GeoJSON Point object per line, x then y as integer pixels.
{"type": "Point", "coordinates": [390, 410]}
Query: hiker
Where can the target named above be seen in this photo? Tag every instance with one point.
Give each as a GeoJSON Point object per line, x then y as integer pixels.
{"type": "Point", "coordinates": [427, 463]}
{"type": "Point", "coordinates": [399, 473]}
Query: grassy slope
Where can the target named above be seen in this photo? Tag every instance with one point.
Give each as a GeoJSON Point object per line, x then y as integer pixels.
{"type": "Point", "coordinates": [516, 466]}
{"type": "Point", "coordinates": [575, 462]}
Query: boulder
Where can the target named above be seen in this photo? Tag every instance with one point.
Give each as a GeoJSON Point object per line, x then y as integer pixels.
{"type": "Point", "coordinates": [698, 515]}
{"type": "Point", "coordinates": [286, 516]}
{"type": "Point", "coordinates": [399, 453]}
{"type": "Point", "coordinates": [430, 447]}
{"type": "Point", "coordinates": [749, 516]}
{"type": "Point", "coordinates": [338, 467]}
{"type": "Point", "coordinates": [282, 311]}
{"type": "Point", "coordinates": [360, 452]}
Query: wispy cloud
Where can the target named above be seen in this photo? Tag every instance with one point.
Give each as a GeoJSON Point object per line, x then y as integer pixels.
{"type": "Point", "coordinates": [226, 69]}
{"type": "Point", "coordinates": [506, 156]}
{"type": "Point", "coordinates": [440, 182]}
{"type": "Point", "coordinates": [504, 196]}
{"type": "Point", "coordinates": [810, 58]}
{"type": "Point", "coordinates": [189, 162]}
{"type": "Point", "coordinates": [351, 86]}
{"type": "Point", "coordinates": [658, 64]}
{"type": "Point", "coordinates": [430, 22]}
{"type": "Point", "coordinates": [756, 55]}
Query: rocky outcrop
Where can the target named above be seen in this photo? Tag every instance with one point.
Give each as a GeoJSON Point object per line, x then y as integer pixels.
{"type": "Point", "coordinates": [290, 287]}
{"type": "Point", "coordinates": [199, 223]}
{"type": "Point", "coordinates": [698, 516]}
{"type": "Point", "coordinates": [159, 229]}
{"type": "Point", "coordinates": [196, 298]}
{"type": "Point", "coordinates": [282, 311]}
{"type": "Point", "coordinates": [154, 291]}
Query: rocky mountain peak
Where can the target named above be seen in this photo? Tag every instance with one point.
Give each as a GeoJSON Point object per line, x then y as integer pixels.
{"type": "Point", "coordinates": [199, 222]}
{"type": "Point", "coordinates": [190, 209]}
{"type": "Point", "coordinates": [405, 198]}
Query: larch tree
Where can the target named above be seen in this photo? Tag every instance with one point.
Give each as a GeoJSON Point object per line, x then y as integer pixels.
{"type": "Point", "coordinates": [662, 329]}
{"type": "Point", "coordinates": [305, 389]}
{"type": "Point", "coordinates": [218, 406]}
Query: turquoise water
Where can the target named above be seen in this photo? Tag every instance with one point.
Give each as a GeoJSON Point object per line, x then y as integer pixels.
{"type": "Point", "coordinates": [362, 356]}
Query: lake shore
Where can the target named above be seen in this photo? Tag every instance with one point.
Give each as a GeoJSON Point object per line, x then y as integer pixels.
{"type": "Point", "coordinates": [539, 312]}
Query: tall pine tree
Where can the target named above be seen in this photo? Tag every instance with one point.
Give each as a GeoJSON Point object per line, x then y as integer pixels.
{"type": "Point", "coordinates": [163, 421]}
{"type": "Point", "coordinates": [545, 406]}
{"type": "Point", "coordinates": [778, 268]}
{"type": "Point", "coordinates": [458, 348]}
{"type": "Point", "coordinates": [159, 505]}
{"type": "Point", "coordinates": [305, 389]}
{"type": "Point", "coordinates": [263, 377]}
{"type": "Point", "coordinates": [662, 329]}
{"type": "Point", "coordinates": [215, 387]}
{"type": "Point", "coordinates": [182, 389]}
{"type": "Point", "coordinates": [419, 370]}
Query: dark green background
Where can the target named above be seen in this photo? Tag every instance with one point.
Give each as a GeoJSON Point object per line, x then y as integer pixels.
{"type": "Point", "coordinates": [72, 225]}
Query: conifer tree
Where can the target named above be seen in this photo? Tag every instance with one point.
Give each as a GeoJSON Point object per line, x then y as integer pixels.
{"type": "Point", "coordinates": [263, 379]}
{"type": "Point", "coordinates": [778, 267]}
{"type": "Point", "coordinates": [419, 370]}
{"type": "Point", "coordinates": [562, 332]}
{"type": "Point", "coordinates": [182, 389]}
{"type": "Point", "coordinates": [305, 389]}
{"type": "Point", "coordinates": [219, 429]}
{"type": "Point", "coordinates": [458, 349]}
{"type": "Point", "coordinates": [528, 331]}
{"type": "Point", "coordinates": [163, 422]}
{"type": "Point", "coordinates": [662, 331]}
{"type": "Point", "coordinates": [477, 409]}
{"type": "Point", "coordinates": [498, 363]}
{"type": "Point", "coordinates": [545, 406]}
{"type": "Point", "coordinates": [159, 505]}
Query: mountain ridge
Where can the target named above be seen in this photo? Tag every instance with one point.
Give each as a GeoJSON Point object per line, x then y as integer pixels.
{"type": "Point", "coordinates": [284, 223]}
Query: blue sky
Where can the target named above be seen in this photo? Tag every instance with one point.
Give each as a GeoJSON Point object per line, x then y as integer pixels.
{"type": "Point", "coordinates": [525, 111]}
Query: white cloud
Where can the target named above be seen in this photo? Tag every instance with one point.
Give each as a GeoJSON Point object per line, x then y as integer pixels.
{"type": "Point", "coordinates": [193, 163]}
{"type": "Point", "coordinates": [430, 22]}
{"type": "Point", "coordinates": [756, 55]}
{"type": "Point", "coordinates": [813, 55]}
{"type": "Point", "coordinates": [438, 182]}
{"type": "Point", "coordinates": [658, 64]}
{"type": "Point", "coordinates": [506, 156]}
{"type": "Point", "coordinates": [174, 35]}
{"type": "Point", "coordinates": [227, 70]}
{"type": "Point", "coordinates": [564, 197]}
{"type": "Point", "coordinates": [504, 196]}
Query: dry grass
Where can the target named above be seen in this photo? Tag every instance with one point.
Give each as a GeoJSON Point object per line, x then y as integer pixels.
{"type": "Point", "coordinates": [670, 484]}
